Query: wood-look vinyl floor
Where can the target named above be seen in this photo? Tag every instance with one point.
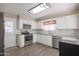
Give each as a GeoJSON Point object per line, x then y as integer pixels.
{"type": "Point", "coordinates": [32, 50]}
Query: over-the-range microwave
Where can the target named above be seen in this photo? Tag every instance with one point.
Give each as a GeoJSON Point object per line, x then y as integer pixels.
{"type": "Point", "coordinates": [26, 26]}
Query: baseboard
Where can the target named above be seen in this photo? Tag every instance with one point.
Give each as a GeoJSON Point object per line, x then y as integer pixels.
{"type": "Point", "coordinates": [11, 47]}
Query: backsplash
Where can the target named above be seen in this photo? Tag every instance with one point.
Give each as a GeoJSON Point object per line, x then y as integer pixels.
{"type": "Point", "coordinates": [45, 32]}
{"type": "Point", "coordinates": [29, 30]}
{"type": "Point", "coordinates": [66, 32]}
{"type": "Point", "coordinates": [60, 32]}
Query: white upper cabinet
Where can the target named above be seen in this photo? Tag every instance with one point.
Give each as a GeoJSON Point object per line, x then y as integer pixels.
{"type": "Point", "coordinates": [33, 23]}
{"type": "Point", "coordinates": [64, 22]}
{"type": "Point", "coordinates": [60, 23]}
{"type": "Point", "coordinates": [67, 22]}
{"type": "Point", "coordinates": [39, 25]}
{"type": "Point", "coordinates": [71, 21]}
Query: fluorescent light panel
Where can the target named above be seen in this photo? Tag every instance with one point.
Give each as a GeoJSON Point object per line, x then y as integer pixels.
{"type": "Point", "coordinates": [39, 8]}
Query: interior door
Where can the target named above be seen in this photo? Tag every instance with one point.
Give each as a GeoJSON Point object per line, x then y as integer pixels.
{"type": "Point", "coordinates": [10, 32]}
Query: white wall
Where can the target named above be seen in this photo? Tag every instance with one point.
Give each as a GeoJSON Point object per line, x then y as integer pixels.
{"type": "Point", "coordinates": [10, 37]}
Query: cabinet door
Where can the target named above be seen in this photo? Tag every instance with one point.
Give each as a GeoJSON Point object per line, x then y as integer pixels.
{"type": "Point", "coordinates": [61, 24]}
{"type": "Point", "coordinates": [39, 38]}
{"type": "Point", "coordinates": [21, 41]}
{"type": "Point", "coordinates": [71, 21]}
{"type": "Point", "coordinates": [33, 24]}
{"type": "Point", "coordinates": [39, 25]}
{"type": "Point", "coordinates": [67, 22]}
{"type": "Point", "coordinates": [44, 39]}
{"type": "Point", "coordinates": [47, 40]}
{"type": "Point", "coordinates": [34, 38]}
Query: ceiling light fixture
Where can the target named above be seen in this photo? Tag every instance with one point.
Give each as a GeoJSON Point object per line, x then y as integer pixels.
{"type": "Point", "coordinates": [40, 7]}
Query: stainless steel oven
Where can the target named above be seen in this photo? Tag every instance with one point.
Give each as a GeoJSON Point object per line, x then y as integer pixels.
{"type": "Point", "coordinates": [28, 39]}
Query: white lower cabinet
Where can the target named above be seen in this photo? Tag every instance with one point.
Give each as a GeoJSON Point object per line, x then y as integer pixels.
{"type": "Point", "coordinates": [45, 39]}
{"type": "Point", "coordinates": [34, 38]}
{"type": "Point", "coordinates": [21, 41]}
{"type": "Point", "coordinates": [40, 38]}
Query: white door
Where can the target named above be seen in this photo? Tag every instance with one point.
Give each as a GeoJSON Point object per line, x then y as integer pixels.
{"type": "Point", "coordinates": [10, 32]}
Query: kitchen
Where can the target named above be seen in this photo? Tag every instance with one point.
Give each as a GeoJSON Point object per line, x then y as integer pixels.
{"type": "Point", "coordinates": [23, 30]}
{"type": "Point", "coordinates": [50, 38]}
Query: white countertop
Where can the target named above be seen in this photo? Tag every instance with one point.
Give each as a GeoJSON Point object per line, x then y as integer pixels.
{"type": "Point", "coordinates": [71, 40]}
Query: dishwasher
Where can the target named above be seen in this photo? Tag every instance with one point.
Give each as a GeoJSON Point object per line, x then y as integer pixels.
{"type": "Point", "coordinates": [55, 42]}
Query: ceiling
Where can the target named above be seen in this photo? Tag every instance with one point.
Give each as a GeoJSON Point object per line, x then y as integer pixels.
{"type": "Point", "coordinates": [56, 9]}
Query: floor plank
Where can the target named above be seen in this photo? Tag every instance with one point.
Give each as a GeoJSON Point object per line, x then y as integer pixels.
{"type": "Point", "coordinates": [32, 50]}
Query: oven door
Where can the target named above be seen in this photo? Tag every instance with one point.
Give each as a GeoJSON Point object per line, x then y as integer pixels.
{"type": "Point", "coordinates": [27, 38]}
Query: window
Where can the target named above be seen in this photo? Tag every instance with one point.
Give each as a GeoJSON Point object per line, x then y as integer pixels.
{"type": "Point", "coordinates": [49, 24]}
{"type": "Point", "coordinates": [8, 26]}
{"type": "Point", "coordinates": [39, 8]}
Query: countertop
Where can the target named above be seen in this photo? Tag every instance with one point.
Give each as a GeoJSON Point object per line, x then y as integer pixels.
{"type": "Point", "coordinates": [70, 40]}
